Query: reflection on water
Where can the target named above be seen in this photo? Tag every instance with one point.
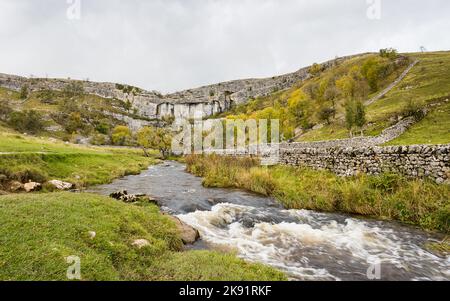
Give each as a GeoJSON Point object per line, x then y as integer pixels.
{"type": "Point", "coordinates": [306, 245]}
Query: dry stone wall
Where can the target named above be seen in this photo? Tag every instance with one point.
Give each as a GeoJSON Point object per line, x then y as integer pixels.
{"type": "Point", "coordinates": [416, 161]}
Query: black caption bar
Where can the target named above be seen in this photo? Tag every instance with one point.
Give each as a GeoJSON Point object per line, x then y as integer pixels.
{"type": "Point", "coordinates": [216, 290]}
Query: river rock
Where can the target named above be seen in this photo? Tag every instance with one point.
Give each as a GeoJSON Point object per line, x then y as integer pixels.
{"type": "Point", "coordinates": [140, 243]}
{"type": "Point", "coordinates": [118, 194]}
{"type": "Point", "coordinates": [132, 198]}
{"type": "Point", "coordinates": [123, 196]}
{"type": "Point", "coordinates": [60, 185]}
{"type": "Point", "coordinates": [188, 234]}
{"type": "Point", "coordinates": [32, 186]}
{"type": "Point", "coordinates": [15, 186]}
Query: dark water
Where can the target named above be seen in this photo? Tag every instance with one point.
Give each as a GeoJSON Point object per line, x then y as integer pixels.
{"type": "Point", "coordinates": [306, 245]}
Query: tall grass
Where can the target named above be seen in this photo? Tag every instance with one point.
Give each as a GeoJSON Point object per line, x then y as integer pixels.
{"type": "Point", "coordinates": [388, 196]}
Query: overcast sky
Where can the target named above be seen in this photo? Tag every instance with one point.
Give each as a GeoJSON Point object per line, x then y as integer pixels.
{"type": "Point", "coordinates": [169, 45]}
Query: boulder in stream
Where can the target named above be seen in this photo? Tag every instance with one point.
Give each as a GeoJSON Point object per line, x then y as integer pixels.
{"type": "Point", "coordinates": [188, 234]}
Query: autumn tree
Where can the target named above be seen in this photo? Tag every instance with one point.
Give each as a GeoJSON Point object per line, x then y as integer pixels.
{"type": "Point", "coordinates": [349, 117]}
{"type": "Point", "coordinates": [315, 69]}
{"type": "Point", "coordinates": [355, 115]}
{"type": "Point", "coordinates": [155, 138]}
{"type": "Point", "coordinates": [121, 135]}
{"type": "Point", "coordinates": [346, 85]}
{"type": "Point", "coordinates": [360, 115]}
{"type": "Point", "coordinates": [389, 53]}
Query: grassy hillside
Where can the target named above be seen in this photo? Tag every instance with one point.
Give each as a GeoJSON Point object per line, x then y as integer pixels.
{"type": "Point", "coordinates": [67, 115]}
{"type": "Point", "coordinates": [433, 129]}
{"type": "Point", "coordinates": [58, 225]}
{"type": "Point", "coordinates": [324, 96]}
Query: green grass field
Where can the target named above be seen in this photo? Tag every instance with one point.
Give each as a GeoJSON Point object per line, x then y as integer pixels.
{"type": "Point", "coordinates": [39, 231]}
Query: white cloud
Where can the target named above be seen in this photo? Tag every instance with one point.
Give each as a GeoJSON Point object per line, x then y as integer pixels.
{"type": "Point", "coordinates": [175, 44]}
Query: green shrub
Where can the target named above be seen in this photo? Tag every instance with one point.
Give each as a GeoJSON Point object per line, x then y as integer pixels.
{"type": "Point", "coordinates": [5, 110]}
{"type": "Point", "coordinates": [99, 139]}
{"type": "Point", "coordinates": [73, 89]}
{"type": "Point", "coordinates": [121, 136]}
{"type": "Point", "coordinates": [413, 109]}
{"type": "Point", "coordinates": [46, 96]}
{"type": "Point", "coordinates": [23, 94]}
{"type": "Point", "coordinates": [27, 121]}
{"type": "Point", "coordinates": [389, 53]}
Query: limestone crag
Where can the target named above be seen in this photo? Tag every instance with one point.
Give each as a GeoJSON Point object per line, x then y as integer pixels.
{"type": "Point", "coordinates": [199, 102]}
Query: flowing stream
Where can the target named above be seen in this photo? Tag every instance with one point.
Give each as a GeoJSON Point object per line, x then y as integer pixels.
{"type": "Point", "coordinates": [307, 245]}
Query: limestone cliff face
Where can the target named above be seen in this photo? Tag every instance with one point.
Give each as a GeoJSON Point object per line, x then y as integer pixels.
{"type": "Point", "coordinates": [199, 102]}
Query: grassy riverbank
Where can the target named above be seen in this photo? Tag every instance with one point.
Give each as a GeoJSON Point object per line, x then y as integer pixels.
{"type": "Point", "coordinates": [39, 231]}
{"type": "Point", "coordinates": [393, 197]}
{"type": "Point", "coordinates": [24, 158]}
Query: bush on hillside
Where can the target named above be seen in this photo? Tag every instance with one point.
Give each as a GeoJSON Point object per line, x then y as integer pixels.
{"type": "Point", "coordinates": [5, 110]}
{"type": "Point", "coordinates": [46, 96]}
{"type": "Point", "coordinates": [103, 127]}
{"type": "Point", "coordinates": [99, 139]}
{"type": "Point", "coordinates": [389, 53]}
{"type": "Point", "coordinates": [325, 114]}
{"type": "Point", "coordinates": [413, 109]}
{"type": "Point", "coordinates": [24, 91]}
{"type": "Point", "coordinates": [73, 89]}
{"type": "Point", "coordinates": [121, 136]}
{"type": "Point", "coordinates": [315, 69]}
{"type": "Point", "coordinates": [26, 121]}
